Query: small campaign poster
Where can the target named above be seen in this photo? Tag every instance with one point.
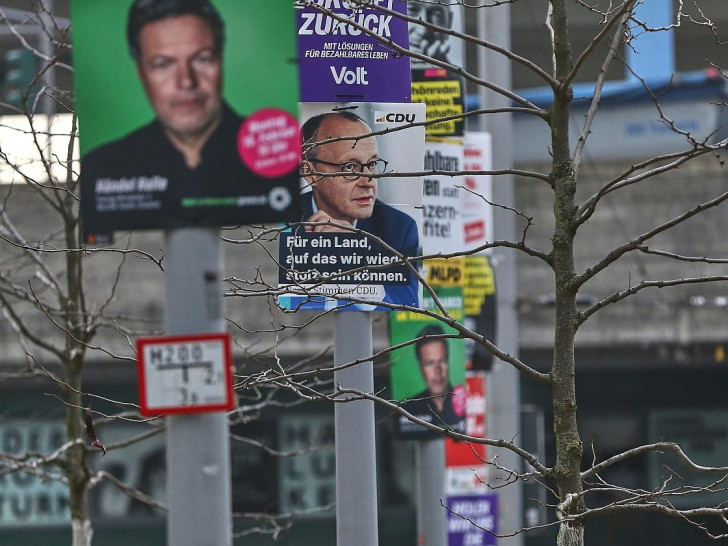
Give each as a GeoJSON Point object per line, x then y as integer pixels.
{"type": "Point", "coordinates": [346, 52]}
{"type": "Point", "coordinates": [480, 309]}
{"type": "Point", "coordinates": [358, 217]}
{"type": "Point", "coordinates": [465, 462]}
{"type": "Point", "coordinates": [442, 202]}
{"type": "Point", "coordinates": [478, 190]}
{"type": "Point", "coordinates": [187, 114]}
{"type": "Point", "coordinates": [437, 86]}
{"type": "Point", "coordinates": [472, 520]}
{"type": "Point", "coordinates": [428, 375]}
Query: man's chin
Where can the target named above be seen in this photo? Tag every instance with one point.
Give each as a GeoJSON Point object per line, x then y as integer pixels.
{"type": "Point", "coordinates": [364, 213]}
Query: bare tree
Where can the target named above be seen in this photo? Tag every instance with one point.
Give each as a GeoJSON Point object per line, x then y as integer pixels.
{"type": "Point", "coordinates": [53, 313]}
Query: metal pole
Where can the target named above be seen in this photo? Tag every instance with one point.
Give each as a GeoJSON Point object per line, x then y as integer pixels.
{"type": "Point", "coordinates": [503, 383]}
{"type": "Point", "coordinates": [356, 462]}
{"type": "Point", "coordinates": [430, 483]}
{"type": "Point", "coordinates": [198, 446]}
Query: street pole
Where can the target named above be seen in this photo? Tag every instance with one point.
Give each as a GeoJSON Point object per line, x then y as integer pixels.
{"type": "Point", "coordinates": [198, 445]}
{"type": "Point", "coordinates": [356, 461]}
{"type": "Point", "coordinates": [430, 488]}
{"type": "Point", "coordinates": [503, 382]}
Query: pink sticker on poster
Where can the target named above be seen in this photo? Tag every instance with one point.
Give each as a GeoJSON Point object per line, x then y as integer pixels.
{"type": "Point", "coordinates": [268, 142]}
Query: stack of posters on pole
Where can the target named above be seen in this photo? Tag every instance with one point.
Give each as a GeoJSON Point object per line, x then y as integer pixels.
{"type": "Point", "coordinates": [347, 51]}
{"type": "Point", "coordinates": [433, 81]}
{"type": "Point", "coordinates": [360, 220]}
{"type": "Point", "coordinates": [428, 374]}
{"type": "Point", "coordinates": [193, 128]}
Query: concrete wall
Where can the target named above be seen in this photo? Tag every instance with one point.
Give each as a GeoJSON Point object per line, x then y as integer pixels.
{"type": "Point", "coordinates": [654, 315]}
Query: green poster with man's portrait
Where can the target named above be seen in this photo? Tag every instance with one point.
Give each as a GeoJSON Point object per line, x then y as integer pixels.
{"type": "Point", "coordinates": [187, 113]}
{"type": "Point", "coordinates": [428, 375]}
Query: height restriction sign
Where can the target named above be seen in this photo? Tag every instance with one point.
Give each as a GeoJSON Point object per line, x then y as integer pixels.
{"type": "Point", "coordinates": [185, 374]}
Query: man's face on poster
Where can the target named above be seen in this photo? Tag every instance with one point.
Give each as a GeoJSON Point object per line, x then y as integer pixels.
{"type": "Point", "coordinates": [181, 70]}
{"type": "Point", "coordinates": [352, 197]}
{"type": "Point", "coordinates": [435, 366]}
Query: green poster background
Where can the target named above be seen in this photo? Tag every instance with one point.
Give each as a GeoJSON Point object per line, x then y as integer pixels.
{"type": "Point", "coordinates": [260, 47]}
{"type": "Point", "coordinates": [406, 377]}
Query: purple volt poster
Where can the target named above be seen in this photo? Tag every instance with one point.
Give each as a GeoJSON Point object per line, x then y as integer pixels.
{"type": "Point", "coordinates": [468, 511]}
{"type": "Point", "coordinates": [344, 61]}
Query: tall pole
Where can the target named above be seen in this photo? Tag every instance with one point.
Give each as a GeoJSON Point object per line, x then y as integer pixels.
{"type": "Point", "coordinates": [356, 461]}
{"type": "Point", "coordinates": [503, 382]}
{"type": "Point", "coordinates": [198, 446]}
{"type": "Point", "coordinates": [430, 486]}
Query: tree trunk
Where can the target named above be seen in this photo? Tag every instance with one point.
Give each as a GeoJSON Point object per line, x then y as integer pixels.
{"type": "Point", "coordinates": [569, 448]}
{"type": "Point", "coordinates": [77, 334]}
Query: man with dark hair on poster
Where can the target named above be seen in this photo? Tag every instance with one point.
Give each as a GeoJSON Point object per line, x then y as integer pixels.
{"type": "Point", "coordinates": [350, 196]}
{"type": "Point", "coordinates": [434, 404]}
{"type": "Point", "coordinates": [433, 43]}
{"type": "Point", "coordinates": [185, 165]}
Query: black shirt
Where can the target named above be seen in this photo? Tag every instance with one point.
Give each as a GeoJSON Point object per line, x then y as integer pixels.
{"type": "Point", "coordinates": [141, 181]}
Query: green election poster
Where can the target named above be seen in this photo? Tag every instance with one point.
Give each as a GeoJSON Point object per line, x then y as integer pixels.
{"type": "Point", "coordinates": [187, 113]}
{"type": "Point", "coordinates": [428, 376]}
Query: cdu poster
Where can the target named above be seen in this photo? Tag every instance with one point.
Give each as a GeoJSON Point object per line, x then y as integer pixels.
{"type": "Point", "coordinates": [358, 216]}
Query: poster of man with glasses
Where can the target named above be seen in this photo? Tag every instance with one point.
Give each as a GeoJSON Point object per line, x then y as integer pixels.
{"type": "Point", "coordinates": [360, 213]}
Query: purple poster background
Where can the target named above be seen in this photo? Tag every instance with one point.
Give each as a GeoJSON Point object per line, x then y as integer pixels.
{"type": "Point", "coordinates": [339, 62]}
{"type": "Point", "coordinates": [481, 510]}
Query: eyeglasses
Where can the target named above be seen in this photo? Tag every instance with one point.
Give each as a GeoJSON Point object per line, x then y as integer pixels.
{"type": "Point", "coordinates": [353, 169]}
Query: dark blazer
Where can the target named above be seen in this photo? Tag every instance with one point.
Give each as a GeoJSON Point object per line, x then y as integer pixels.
{"type": "Point", "coordinates": [398, 230]}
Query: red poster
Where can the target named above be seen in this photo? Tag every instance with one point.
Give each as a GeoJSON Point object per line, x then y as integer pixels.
{"type": "Point", "coordinates": [463, 453]}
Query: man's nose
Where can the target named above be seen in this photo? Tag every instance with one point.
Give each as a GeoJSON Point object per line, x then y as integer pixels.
{"type": "Point", "coordinates": [365, 180]}
{"type": "Point", "coordinates": [186, 76]}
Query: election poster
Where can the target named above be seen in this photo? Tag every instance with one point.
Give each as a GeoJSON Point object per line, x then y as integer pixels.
{"type": "Point", "coordinates": [466, 469]}
{"type": "Point", "coordinates": [358, 217]}
{"type": "Point", "coordinates": [434, 83]}
{"type": "Point", "coordinates": [478, 190]}
{"type": "Point", "coordinates": [479, 293]}
{"type": "Point", "coordinates": [468, 511]}
{"type": "Point", "coordinates": [442, 202]}
{"type": "Point", "coordinates": [428, 375]}
{"type": "Point", "coordinates": [183, 121]}
{"type": "Point", "coordinates": [346, 52]}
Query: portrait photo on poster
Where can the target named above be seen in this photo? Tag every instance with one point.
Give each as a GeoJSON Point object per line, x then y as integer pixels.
{"type": "Point", "coordinates": [435, 43]}
{"type": "Point", "coordinates": [184, 124]}
{"type": "Point", "coordinates": [346, 195]}
{"type": "Point", "coordinates": [428, 376]}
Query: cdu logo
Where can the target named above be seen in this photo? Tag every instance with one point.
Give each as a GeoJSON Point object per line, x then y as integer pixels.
{"type": "Point", "coordinates": [393, 117]}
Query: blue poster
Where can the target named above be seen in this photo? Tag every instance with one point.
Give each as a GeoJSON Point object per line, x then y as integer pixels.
{"type": "Point", "coordinates": [472, 520]}
{"type": "Point", "coordinates": [340, 61]}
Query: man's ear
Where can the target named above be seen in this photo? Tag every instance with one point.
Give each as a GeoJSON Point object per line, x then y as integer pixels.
{"type": "Point", "coordinates": [306, 170]}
